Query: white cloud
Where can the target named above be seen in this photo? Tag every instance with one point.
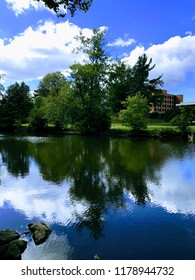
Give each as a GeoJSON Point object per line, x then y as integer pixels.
{"type": "Point", "coordinates": [38, 51]}
{"type": "Point", "coordinates": [121, 43]}
{"type": "Point", "coordinates": [19, 6]}
{"type": "Point", "coordinates": [174, 58]}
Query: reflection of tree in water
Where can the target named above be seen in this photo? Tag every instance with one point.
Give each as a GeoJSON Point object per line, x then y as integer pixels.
{"type": "Point", "coordinates": [92, 219]}
{"type": "Point", "coordinates": [15, 156]}
{"type": "Point", "coordinates": [132, 164]}
{"type": "Point", "coordinates": [99, 170]}
{"type": "Point", "coordinates": [104, 174]}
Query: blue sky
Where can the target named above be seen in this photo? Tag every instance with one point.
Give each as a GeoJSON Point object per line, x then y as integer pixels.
{"type": "Point", "coordinates": [34, 41]}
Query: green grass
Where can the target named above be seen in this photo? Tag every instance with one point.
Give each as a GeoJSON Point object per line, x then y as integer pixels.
{"type": "Point", "coordinates": [153, 125]}
{"type": "Point", "coordinates": [120, 127]}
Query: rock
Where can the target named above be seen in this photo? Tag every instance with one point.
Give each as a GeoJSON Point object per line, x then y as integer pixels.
{"type": "Point", "coordinates": [13, 250]}
{"type": "Point", "coordinates": [96, 257]}
{"type": "Point", "coordinates": [40, 232]}
{"type": "Point", "coordinates": [8, 235]}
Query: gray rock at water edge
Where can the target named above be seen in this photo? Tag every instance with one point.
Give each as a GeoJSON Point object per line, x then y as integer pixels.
{"type": "Point", "coordinates": [8, 235]}
{"type": "Point", "coordinates": [40, 232]}
{"type": "Point", "coordinates": [13, 250]}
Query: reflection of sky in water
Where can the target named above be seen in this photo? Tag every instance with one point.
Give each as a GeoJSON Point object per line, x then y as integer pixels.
{"type": "Point", "coordinates": [56, 248]}
{"type": "Point", "coordinates": [32, 198]}
{"type": "Point", "coordinates": [51, 203]}
{"type": "Point", "coordinates": [37, 198]}
{"type": "Point", "coordinates": [176, 191]}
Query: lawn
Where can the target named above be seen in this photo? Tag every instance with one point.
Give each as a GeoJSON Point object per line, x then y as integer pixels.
{"type": "Point", "coordinates": [153, 125]}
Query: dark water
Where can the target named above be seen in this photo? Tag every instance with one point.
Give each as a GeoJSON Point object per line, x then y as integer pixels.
{"type": "Point", "coordinates": [117, 198]}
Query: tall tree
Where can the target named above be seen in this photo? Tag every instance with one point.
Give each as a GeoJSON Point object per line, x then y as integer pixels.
{"type": "Point", "coordinates": [89, 84]}
{"type": "Point", "coordinates": [52, 95]}
{"type": "Point", "coordinates": [15, 105]}
{"type": "Point", "coordinates": [140, 79]}
{"type": "Point", "coordinates": [127, 81]}
{"type": "Point", "coordinates": [60, 7]}
{"type": "Point", "coordinates": [51, 84]}
{"type": "Point", "coordinates": [119, 85]}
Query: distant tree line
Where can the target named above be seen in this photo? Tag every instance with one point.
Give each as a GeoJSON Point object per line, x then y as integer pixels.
{"type": "Point", "coordinates": [97, 89]}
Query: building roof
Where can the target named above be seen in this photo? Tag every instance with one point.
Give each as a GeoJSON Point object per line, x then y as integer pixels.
{"type": "Point", "coordinates": [186, 104]}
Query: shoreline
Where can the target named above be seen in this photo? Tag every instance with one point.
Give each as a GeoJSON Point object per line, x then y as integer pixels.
{"type": "Point", "coordinates": [169, 133]}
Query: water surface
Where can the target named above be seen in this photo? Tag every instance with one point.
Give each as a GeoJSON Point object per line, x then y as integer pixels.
{"type": "Point", "coordinates": [117, 198]}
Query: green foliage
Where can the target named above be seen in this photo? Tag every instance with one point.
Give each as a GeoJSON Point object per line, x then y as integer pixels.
{"type": "Point", "coordinates": [126, 81]}
{"type": "Point", "coordinates": [141, 82]}
{"type": "Point", "coordinates": [93, 47]}
{"type": "Point", "coordinates": [119, 85]}
{"type": "Point", "coordinates": [182, 121]}
{"type": "Point", "coordinates": [15, 105]}
{"type": "Point", "coordinates": [136, 113]}
{"type": "Point", "coordinates": [69, 5]}
{"type": "Point", "coordinates": [37, 119]}
{"type": "Point", "coordinates": [54, 90]}
{"type": "Point", "coordinates": [170, 114]}
{"type": "Point", "coordinates": [89, 86]}
{"type": "Point", "coordinates": [51, 84]}
{"type": "Point", "coordinates": [58, 108]}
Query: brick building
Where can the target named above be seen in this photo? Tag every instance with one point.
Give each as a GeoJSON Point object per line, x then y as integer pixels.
{"type": "Point", "coordinates": [170, 101]}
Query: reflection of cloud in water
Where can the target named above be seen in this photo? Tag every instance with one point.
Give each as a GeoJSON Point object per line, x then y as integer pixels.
{"type": "Point", "coordinates": [176, 192]}
{"type": "Point", "coordinates": [37, 198]}
{"type": "Point", "coordinates": [54, 248]}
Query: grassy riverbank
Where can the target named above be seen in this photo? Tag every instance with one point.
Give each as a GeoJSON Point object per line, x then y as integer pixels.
{"type": "Point", "coordinates": [154, 126]}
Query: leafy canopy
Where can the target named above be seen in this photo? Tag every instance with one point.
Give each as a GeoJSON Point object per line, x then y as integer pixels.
{"type": "Point", "coordinates": [15, 106]}
{"type": "Point", "coordinates": [68, 5]}
{"type": "Point", "coordinates": [89, 85]}
{"type": "Point", "coordinates": [51, 84]}
{"type": "Point", "coordinates": [135, 115]}
{"type": "Point", "coordinates": [125, 81]}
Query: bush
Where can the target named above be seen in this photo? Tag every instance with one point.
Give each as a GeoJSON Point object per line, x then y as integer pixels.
{"type": "Point", "coordinates": [136, 113]}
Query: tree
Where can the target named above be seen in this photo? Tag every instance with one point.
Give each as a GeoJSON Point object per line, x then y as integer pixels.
{"type": "Point", "coordinates": [15, 105]}
{"type": "Point", "coordinates": [51, 84]}
{"type": "Point", "coordinates": [68, 5]}
{"type": "Point", "coordinates": [119, 85]}
{"type": "Point", "coordinates": [140, 79]}
{"type": "Point", "coordinates": [57, 109]}
{"type": "Point", "coordinates": [88, 85]}
{"type": "Point", "coordinates": [37, 117]}
{"type": "Point", "coordinates": [55, 91]}
{"type": "Point", "coordinates": [182, 121]}
{"type": "Point", "coordinates": [136, 112]}
{"type": "Point", "coordinates": [125, 81]}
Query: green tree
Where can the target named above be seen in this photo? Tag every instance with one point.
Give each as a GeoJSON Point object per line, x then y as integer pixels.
{"type": "Point", "coordinates": [119, 85]}
{"type": "Point", "coordinates": [57, 109]}
{"type": "Point", "coordinates": [88, 85]}
{"type": "Point", "coordinates": [140, 79]}
{"type": "Point", "coordinates": [16, 105]}
{"type": "Point", "coordinates": [68, 5]}
{"type": "Point", "coordinates": [37, 117]}
{"type": "Point", "coordinates": [51, 84]}
{"type": "Point", "coordinates": [125, 81]}
{"type": "Point", "coordinates": [136, 112]}
{"type": "Point", "coordinates": [182, 121]}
